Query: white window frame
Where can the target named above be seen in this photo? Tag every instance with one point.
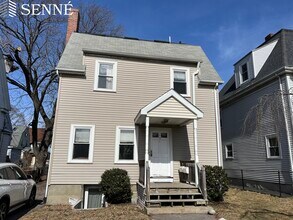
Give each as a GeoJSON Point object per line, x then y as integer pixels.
{"type": "Point", "coordinates": [226, 151]}
{"type": "Point", "coordinates": [240, 72]}
{"type": "Point", "coordinates": [117, 160]}
{"type": "Point", "coordinates": [187, 72]}
{"type": "Point", "coordinates": [97, 70]}
{"type": "Point", "coordinates": [71, 141]}
{"type": "Point", "coordinates": [267, 137]}
{"type": "Point", "coordinates": [86, 195]}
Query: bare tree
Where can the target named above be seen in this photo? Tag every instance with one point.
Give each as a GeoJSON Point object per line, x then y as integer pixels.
{"type": "Point", "coordinates": [35, 44]}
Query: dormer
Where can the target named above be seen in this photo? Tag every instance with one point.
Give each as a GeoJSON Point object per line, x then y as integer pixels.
{"type": "Point", "coordinates": [249, 66]}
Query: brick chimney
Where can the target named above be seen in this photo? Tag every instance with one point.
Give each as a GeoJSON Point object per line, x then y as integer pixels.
{"type": "Point", "coordinates": [72, 25]}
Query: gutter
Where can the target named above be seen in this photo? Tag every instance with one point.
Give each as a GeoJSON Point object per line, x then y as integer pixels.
{"type": "Point", "coordinates": [218, 131]}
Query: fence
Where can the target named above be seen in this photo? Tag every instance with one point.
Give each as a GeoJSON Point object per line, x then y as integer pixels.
{"type": "Point", "coordinates": [275, 182]}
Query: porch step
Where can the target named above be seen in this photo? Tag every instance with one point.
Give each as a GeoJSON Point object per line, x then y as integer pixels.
{"type": "Point", "coordinates": [175, 193]}
{"type": "Point", "coordinates": [158, 203]}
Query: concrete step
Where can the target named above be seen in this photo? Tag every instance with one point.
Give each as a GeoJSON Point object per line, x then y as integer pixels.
{"type": "Point", "coordinates": [177, 200]}
{"type": "Point", "coordinates": [175, 193]}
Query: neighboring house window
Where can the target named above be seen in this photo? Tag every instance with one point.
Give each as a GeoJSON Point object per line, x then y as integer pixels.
{"type": "Point", "coordinates": [106, 74]}
{"type": "Point", "coordinates": [244, 73]}
{"type": "Point", "coordinates": [81, 144]}
{"type": "Point", "coordinates": [126, 149]}
{"type": "Point", "coordinates": [229, 151]}
{"type": "Point", "coordinates": [273, 146]}
{"type": "Point", "coordinates": [180, 80]}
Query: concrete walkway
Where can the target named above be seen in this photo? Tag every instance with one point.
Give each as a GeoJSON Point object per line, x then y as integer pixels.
{"type": "Point", "coordinates": [183, 217]}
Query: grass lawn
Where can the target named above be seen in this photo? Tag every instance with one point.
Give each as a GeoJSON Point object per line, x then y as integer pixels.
{"type": "Point", "coordinates": [240, 204]}
{"type": "Point", "coordinates": [59, 212]}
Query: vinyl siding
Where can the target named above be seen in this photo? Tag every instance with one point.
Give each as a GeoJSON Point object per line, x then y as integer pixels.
{"type": "Point", "coordinates": [249, 143]}
{"type": "Point", "coordinates": [138, 83]}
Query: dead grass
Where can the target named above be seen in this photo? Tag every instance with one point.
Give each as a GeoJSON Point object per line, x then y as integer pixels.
{"type": "Point", "coordinates": [251, 205]}
{"type": "Point", "coordinates": [59, 212]}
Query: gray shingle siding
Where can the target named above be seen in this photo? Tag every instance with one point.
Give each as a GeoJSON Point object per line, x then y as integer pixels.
{"type": "Point", "coordinates": [250, 148]}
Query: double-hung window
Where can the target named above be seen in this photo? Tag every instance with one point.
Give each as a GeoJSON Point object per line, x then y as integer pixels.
{"type": "Point", "coordinates": [81, 144]}
{"type": "Point", "coordinates": [273, 147]}
{"type": "Point", "coordinates": [229, 151]}
{"type": "Point", "coordinates": [180, 80]}
{"type": "Point", "coordinates": [244, 73]}
{"type": "Point", "coordinates": [106, 75]}
{"type": "Point", "coordinates": [126, 149]}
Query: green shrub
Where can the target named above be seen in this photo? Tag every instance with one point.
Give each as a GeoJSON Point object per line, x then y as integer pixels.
{"type": "Point", "coordinates": [217, 183]}
{"type": "Point", "coordinates": [116, 186]}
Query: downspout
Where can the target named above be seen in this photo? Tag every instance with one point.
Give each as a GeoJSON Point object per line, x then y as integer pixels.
{"type": "Point", "coordinates": [53, 141]}
{"type": "Point", "coordinates": [218, 131]}
{"type": "Point", "coordinates": [291, 116]}
{"type": "Point", "coordinates": [196, 160]}
{"type": "Point", "coordinates": [286, 122]}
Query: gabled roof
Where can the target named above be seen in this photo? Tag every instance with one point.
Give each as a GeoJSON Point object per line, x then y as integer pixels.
{"type": "Point", "coordinates": [80, 44]}
{"type": "Point", "coordinates": [163, 98]}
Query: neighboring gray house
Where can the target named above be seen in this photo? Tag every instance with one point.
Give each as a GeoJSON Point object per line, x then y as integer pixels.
{"type": "Point", "coordinates": [20, 140]}
{"type": "Point", "coordinates": [5, 124]}
{"type": "Point", "coordinates": [136, 105]}
{"type": "Point", "coordinates": [256, 115]}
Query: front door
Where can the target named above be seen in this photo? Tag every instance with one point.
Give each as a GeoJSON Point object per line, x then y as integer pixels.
{"type": "Point", "coordinates": [160, 155]}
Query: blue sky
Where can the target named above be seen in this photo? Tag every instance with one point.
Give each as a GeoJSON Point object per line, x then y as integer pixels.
{"type": "Point", "coordinates": [225, 29]}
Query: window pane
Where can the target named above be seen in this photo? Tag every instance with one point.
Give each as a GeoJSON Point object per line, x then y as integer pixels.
{"type": "Point", "coordinates": [80, 151]}
{"type": "Point", "coordinates": [94, 198]}
{"type": "Point", "coordinates": [179, 76]}
{"type": "Point", "coordinates": [155, 135]}
{"type": "Point", "coordinates": [244, 72]}
{"type": "Point", "coordinates": [274, 152]}
{"type": "Point", "coordinates": [164, 135]}
{"type": "Point", "coordinates": [126, 152]}
{"type": "Point", "coordinates": [180, 87]}
{"type": "Point", "coordinates": [19, 174]}
{"type": "Point", "coordinates": [106, 69]}
{"type": "Point", "coordinates": [126, 136]}
{"type": "Point", "coordinates": [3, 174]}
{"type": "Point", "coordinates": [10, 174]}
{"type": "Point", "coordinates": [82, 135]}
{"type": "Point", "coordinates": [105, 82]}
{"type": "Point", "coordinates": [273, 141]}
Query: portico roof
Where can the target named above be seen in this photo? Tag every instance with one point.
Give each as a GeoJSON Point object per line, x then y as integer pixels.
{"type": "Point", "coordinates": [171, 109]}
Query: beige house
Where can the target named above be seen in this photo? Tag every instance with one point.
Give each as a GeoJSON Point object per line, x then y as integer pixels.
{"type": "Point", "coordinates": [148, 107]}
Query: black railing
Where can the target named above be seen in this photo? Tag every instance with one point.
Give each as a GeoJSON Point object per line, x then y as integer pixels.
{"type": "Point", "coordinates": [275, 182]}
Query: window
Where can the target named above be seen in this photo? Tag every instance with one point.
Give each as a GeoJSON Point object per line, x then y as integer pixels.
{"type": "Point", "coordinates": [81, 144]}
{"type": "Point", "coordinates": [93, 197]}
{"type": "Point", "coordinates": [126, 149]}
{"type": "Point", "coordinates": [106, 74]}
{"type": "Point", "coordinates": [19, 173]}
{"type": "Point", "coordinates": [229, 151]}
{"type": "Point", "coordinates": [180, 80]}
{"type": "Point", "coordinates": [244, 73]}
{"type": "Point", "coordinates": [272, 145]}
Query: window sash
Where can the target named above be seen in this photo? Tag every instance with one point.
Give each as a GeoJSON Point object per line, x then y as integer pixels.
{"type": "Point", "coordinates": [273, 148]}
{"type": "Point", "coordinates": [126, 149]}
{"type": "Point", "coordinates": [105, 77]}
{"type": "Point", "coordinates": [180, 80]}
{"type": "Point", "coordinates": [229, 151]}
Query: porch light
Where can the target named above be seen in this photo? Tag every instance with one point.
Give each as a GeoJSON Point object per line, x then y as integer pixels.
{"type": "Point", "coordinates": [165, 121]}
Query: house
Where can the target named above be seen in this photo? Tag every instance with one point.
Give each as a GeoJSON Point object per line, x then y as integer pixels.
{"type": "Point", "coordinates": [256, 115]}
{"type": "Point", "coordinates": [5, 123]}
{"type": "Point", "coordinates": [148, 107]}
{"type": "Point", "coordinates": [19, 141]}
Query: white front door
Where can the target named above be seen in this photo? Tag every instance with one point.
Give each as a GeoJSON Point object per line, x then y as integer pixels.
{"type": "Point", "coordinates": [160, 155]}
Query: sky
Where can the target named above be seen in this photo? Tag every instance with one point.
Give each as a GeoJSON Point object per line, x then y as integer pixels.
{"type": "Point", "coordinates": [225, 29]}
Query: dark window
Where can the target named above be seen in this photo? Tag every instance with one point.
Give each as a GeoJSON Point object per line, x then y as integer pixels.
{"type": "Point", "coordinates": [11, 175]}
{"type": "Point", "coordinates": [244, 72]}
{"type": "Point", "coordinates": [19, 173]}
{"type": "Point", "coordinates": [126, 145]}
{"type": "Point", "coordinates": [105, 76]}
{"type": "Point", "coordinates": [81, 143]}
{"type": "Point", "coordinates": [164, 135]}
{"type": "Point", "coordinates": [274, 150]}
{"type": "Point", "coordinates": [180, 82]}
{"type": "Point", "coordinates": [3, 174]}
{"type": "Point", "coordinates": [229, 151]}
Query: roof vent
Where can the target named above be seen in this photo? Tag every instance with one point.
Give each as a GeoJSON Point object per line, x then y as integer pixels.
{"type": "Point", "coordinates": [269, 36]}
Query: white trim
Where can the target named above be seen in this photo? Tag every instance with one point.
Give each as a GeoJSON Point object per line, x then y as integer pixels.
{"type": "Point", "coordinates": [117, 143]}
{"type": "Point", "coordinates": [267, 137]}
{"type": "Point", "coordinates": [96, 81]}
{"type": "Point", "coordinates": [161, 180]}
{"type": "Point", "coordinates": [166, 96]}
{"type": "Point", "coordinates": [218, 130]}
{"type": "Point", "coordinates": [169, 130]}
{"type": "Point", "coordinates": [226, 151]}
{"type": "Point", "coordinates": [187, 75]}
{"type": "Point", "coordinates": [71, 141]}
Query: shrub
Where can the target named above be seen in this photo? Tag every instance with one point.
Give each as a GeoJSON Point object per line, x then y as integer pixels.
{"type": "Point", "coordinates": [217, 183]}
{"type": "Point", "coordinates": [116, 186]}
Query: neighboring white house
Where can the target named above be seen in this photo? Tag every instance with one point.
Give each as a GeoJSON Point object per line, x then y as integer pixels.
{"type": "Point", "coordinates": [5, 124]}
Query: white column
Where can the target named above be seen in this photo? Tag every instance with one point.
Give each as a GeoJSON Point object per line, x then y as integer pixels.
{"type": "Point", "coordinates": [195, 150]}
{"type": "Point", "coordinates": [147, 124]}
